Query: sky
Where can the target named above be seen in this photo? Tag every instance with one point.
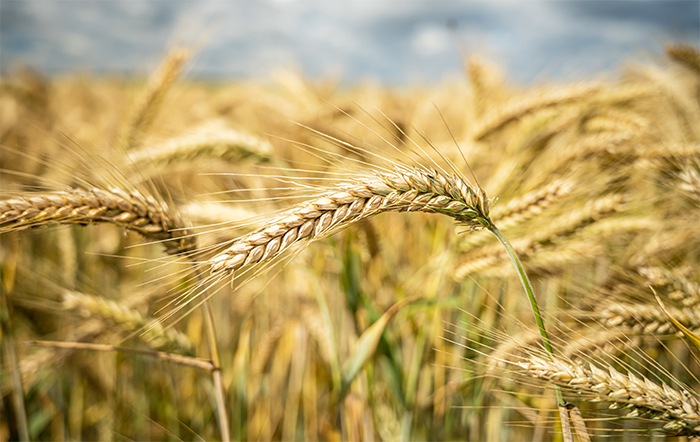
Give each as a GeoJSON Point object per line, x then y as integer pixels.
{"type": "Point", "coordinates": [393, 42]}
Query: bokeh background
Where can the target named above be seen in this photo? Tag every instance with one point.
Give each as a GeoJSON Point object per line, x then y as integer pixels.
{"type": "Point", "coordinates": [399, 327]}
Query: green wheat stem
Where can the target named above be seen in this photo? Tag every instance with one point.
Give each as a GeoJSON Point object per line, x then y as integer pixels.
{"type": "Point", "coordinates": [531, 296]}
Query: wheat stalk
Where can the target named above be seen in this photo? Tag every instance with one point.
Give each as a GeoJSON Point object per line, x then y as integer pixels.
{"type": "Point", "coordinates": [313, 322]}
{"type": "Point", "coordinates": [264, 347]}
{"type": "Point", "coordinates": [409, 189]}
{"type": "Point", "coordinates": [132, 210]}
{"type": "Point", "coordinates": [681, 409]}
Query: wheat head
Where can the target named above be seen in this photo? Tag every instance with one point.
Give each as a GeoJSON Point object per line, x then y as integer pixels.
{"type": "Point", "coordinates": [681, 409]}
{"type": "Point", "coordinates": [408, 189]}
{"type": "Point", "coordinates": [132, 210]}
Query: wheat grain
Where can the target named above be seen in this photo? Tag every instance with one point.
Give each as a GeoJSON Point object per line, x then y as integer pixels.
{"type": "Point", "coordinates": [409, 189]}
{"type": "Point", "coordinates": [681, 409]}
{"type": "Point", "coordinates": [129, 319]}
{"type": "Point", "coordinates": [562, 227]}
{"type": "Point", "coordinates": [515, 109]}
{"type": "Point", "coordinates": [209, 141]}
{"type": "Point", "coordinates": [158, 85]}
{"type": "Point", "coordinates": [674, 283]}
{"type": "Point", "coordinates": [133, 211]}
{"type": "Point", "coordinates": [521, 209]}
{"type": "Point", "coordinates": [648, 317]}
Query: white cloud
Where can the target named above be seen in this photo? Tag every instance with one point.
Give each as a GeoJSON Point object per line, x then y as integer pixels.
{"type": "Point", "coordinates": [431, 40]}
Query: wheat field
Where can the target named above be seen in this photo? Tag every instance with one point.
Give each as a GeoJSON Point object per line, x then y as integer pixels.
{"type": "Point", "coordinates": [192, 260]}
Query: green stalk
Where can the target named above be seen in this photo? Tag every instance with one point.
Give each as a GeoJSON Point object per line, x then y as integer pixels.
{"type": "Point", "coordinates": [531, 296]}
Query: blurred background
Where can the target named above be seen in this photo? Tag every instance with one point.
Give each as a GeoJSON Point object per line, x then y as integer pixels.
{"type": "Point", "coordinates": [396, 43]}
{"type": "Point", "coordinates": [582, 119]}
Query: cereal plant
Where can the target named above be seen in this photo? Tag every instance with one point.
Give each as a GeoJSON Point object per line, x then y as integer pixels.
{"type": "Point", "coordinates": [183, 260]}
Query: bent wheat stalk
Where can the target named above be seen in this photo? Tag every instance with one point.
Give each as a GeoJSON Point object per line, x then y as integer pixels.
{"type": "Point", "coordinates": [408, 189]}
{"type": "Point", "coordinates": [132, 210]}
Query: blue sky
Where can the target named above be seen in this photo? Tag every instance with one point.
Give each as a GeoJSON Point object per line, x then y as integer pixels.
{"type": "Point", "coordinates": [390, 41]}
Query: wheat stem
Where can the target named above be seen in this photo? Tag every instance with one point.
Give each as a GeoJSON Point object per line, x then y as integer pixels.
{"type": "Point", "coordinates": [170, 357]}
{"type": "Point", "coordinates": [8, 342]}
{"type": "Point", "coordinates": [216, 373]}
{"type": "Point", "coordinates": [533, 304]}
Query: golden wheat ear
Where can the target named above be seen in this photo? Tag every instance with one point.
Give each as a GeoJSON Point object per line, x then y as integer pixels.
{"type": "Point", "coordinates": [679, 408]}
{"type": "Point", "coordinates": [685, 55]}
{"type": "Point", "coordinates": [409, 189]}
{"type": "Point", "coordinates": [148, 104]}
{"type": "Point", "coordinates": [209, 141]}
{"type": "Point", "coordinates": [134, 211]}
{"type": "Point", "coordinates": [127, 318]}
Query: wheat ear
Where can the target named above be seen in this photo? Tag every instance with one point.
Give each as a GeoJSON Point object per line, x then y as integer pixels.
{"type": "Point", "coordinates": [158, 85]}
{"type": "Point", "coordinates": [408, 189]}
{"type": "Point", "coordinates": [686, 55]}
{"type": "Point", "coordinates": [681, 409]}
{"type": "Point", "coordinates": [131, 320]}
{"type": "Point", "coordinates": [521, 209]}
{"type": "Point", "coordinates": [649, 318]}
{"type": "Point", "coordinates": [677, 286]}
{"type": "Point", "coordinates": [486, 83]}
{"type": "Point", "coordinates": [515, 109]}
{"type": "Point", "coordinates": [208, 141]}
{"type": "Point", "coordinates": [132, 210]}
{"type": "Point", "coordinates": [561, 227]}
